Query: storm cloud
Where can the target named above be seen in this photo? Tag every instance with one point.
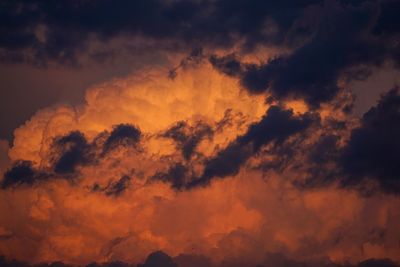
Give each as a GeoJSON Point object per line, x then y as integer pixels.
{"type": "Point", "coordinates": [231, 140]}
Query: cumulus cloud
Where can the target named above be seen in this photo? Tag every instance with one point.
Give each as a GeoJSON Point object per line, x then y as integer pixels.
{"type": "Point", "coordinates": [133, 170]}
{"type": "Point", "coordinates": [238, 155]}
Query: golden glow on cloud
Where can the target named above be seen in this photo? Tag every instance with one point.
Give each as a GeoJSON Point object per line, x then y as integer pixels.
{"type": "Point", "coordinates": [240, 216]}
{"type": "Point", "coordinates": [149, 100]}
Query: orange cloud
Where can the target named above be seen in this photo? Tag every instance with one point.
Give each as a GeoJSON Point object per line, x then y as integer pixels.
{"type": "Point", "coordinates": [96, 215]}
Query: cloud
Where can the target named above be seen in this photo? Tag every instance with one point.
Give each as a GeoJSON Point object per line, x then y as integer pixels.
{"type": "Point", "coordinates": [187, 137]}
{"type": "Point", "coordinates": [21, 173]}
{"type": "Point", "coordinates": [387, 22]}
{"type": "Point", "coordinates": [227, 64]}
{"type": "Point", "coordinates": [178, 175]}
{"type": "Point", "coordinates": [275, 126]}
{"type": "Point", "coordinates": [120, 174]}
{"type": "Point", "coordinates": [122, 134]}
{"type": "Point", "coordinates": [72, 149]}
{"type": "Point", "coordinates": [341, 47]}
{"type": "Point", "coordinates": [363, 156]}
{"type": "Point", "coordinates": [159, 258]}
{"type": "Point", "coordinates": [133, 174]}
{"type": "Point", "coordinates": [60, 31]}
{"type": "Point", "coordinates": [116, 188]}
{"type": "Point", "coordinates": [373, 148]}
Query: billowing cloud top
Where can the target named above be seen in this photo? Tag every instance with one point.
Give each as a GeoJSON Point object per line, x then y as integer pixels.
{"type": "Point", "coordinates": [242, 152]}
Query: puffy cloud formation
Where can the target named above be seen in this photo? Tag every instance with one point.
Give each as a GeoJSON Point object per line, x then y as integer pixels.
{"type": "Point", "coordinates": [195, 165]}
{"type": "Point", "coordinates": [244, 153]}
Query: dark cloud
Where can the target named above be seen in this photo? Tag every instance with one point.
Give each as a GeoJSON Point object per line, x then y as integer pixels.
{"type": "Point", "coordinates": [368, 161]}
{"type": "Point", "coordinates": [387, 27]}
{"type": "Point", "coordinates": [188, 137]}
{"type": "Point", "coordinates": [275, 127]}
{"type": "Point", "coordinates": [280, 260]}
{"type": "Point", "coordinates": [326, 40]}
{"type": "Point", "coordinates": [161, 259]}
{"type": "Point", "coordinates": [112, 264]}
{"type": "Point", "coordinates": [158, 259]}
{"type": "Point", "coordinates": [67, 153]}
{"type": "Point", "coordinates": [68, 25]}
{"type": "Point", "coordinates": [227, 162]}
{"type": "Point", "coordinates": [22, 172]}
{"type": "Point", "coordinates": [118, 187]}
{"type": "Point", "coordinates": [325, 149]}
{"type": "Point", "coordinates": [377, 263]}
{"type": "Point", "coordinates": [193, 260]}
{"type": "Point", "coordinates": [388, 21]}
{"type": "Point", "coordinates": [312, 71]}
{"type": "Point", "coordinates": [178, 175]}
{"type": "Point", "coordinates": [228, 64]}
{"type": "Point", "coordinates": [373, 149]}
{"type": "Point", "coordinates": [71, 150]}
{"type": "Point", "coordinates": [321, 156]}
{"type": "Point", "coordinates": [15, 263]}
{"type": "Point", "coordinates": [341, 46]}
{"type": "Point", "coordinates": [113, 188]}
{"type": "Point", "coordinates": [122, 135]}
{"type": "Point", "coordinates": [195, 57]}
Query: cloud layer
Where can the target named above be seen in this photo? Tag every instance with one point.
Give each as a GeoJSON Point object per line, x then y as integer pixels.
{"type": "Point", "coordinates": [244, 152]}
{"type": "Point", "coordinates": [196, 165]}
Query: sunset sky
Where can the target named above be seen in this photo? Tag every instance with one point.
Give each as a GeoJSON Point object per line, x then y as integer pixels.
{"type": "Point", "coordinates": [200, 133]}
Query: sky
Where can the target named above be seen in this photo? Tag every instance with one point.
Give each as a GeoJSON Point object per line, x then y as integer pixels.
{"type": "Point", "coordinates": [200, 133]}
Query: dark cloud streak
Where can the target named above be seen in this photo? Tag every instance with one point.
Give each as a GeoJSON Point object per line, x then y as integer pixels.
{"type": "Point", "coordinates": [374, 148]}
{"type": "Point", "coordinates": [275, 127]}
